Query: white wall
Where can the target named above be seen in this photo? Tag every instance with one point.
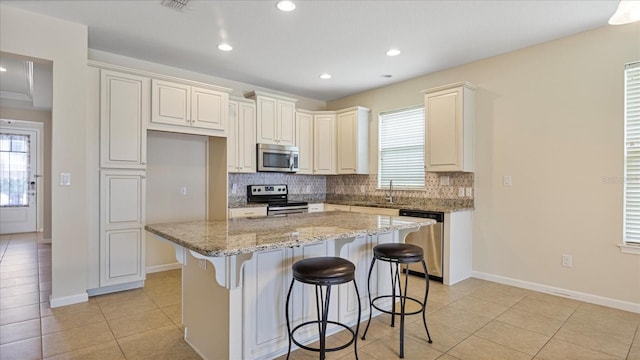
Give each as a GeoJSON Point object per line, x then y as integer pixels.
{"type": "Point", "coordinates": [64, 43]}
{"type": "Point", "coordinates": [173, 161]}
{"type": "Point", "coordinates": [551, 116]}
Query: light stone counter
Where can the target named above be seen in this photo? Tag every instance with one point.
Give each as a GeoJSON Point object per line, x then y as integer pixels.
{"type": "Point", "coordinates": [248, 235]}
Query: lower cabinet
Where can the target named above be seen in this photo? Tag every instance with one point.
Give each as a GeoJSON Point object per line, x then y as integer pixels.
{"type": "Point", "coordinates": [122, 209]}
{"type": "Point", "coordinates": [266, 281]}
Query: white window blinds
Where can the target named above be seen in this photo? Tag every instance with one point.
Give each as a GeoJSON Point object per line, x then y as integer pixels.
{"type": "Point", "coordinates": [401, 148]}
{"type": "Point", "coordinates": [632, 154]}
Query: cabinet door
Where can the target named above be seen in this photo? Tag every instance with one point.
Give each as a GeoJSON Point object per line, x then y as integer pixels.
{"type": "Point", "coordinates": [324, 144]}
{"type": "Point", "coordinates": [122, 199]}
{"type": "Point", "coordinates": [266, 277]}
{"type": "Point", "coordinates": [286, 123]}
{"type": "Point", "coordinates": [304, 141]}
{"type": "Point", "coordinates": [124, 111]}
{"type": "Point", "coordinates": [208, 109]}
{"type": "Point", "coordinates": [122, 256]}
{"type": "Point", "coordinates": [246, 138]}
{"type": "Point", "coordinates": [233, 138]}
{"type": "Point", "coordinates": [443, 115]}
{"type": "Point", "coordinates": [266, 120]}
{"type": "Point", "coordinates": [170, 103]}
{"type": "Point", "coordinates": [347, 142]}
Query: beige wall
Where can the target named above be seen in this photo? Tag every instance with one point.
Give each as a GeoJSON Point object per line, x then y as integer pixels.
{"type": "Point", "coordinates": [551, 116]}
{"type": "Point", "coordinates": [173, 161]}
{"type": "Point", "coordinates": [43, 117]}
{"type": "Point", "coordinates": [65, 44]}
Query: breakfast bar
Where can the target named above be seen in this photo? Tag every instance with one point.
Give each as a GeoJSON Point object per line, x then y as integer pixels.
{"type": "Point", "coordinates": [236, 272]}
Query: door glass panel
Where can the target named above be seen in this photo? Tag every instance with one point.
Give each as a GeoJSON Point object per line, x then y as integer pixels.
{"type": "Point", "coordinates": [14, 170]}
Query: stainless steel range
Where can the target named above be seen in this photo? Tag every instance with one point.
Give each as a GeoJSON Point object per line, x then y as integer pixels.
{"type": "Point", "coordinates": [277, 199]}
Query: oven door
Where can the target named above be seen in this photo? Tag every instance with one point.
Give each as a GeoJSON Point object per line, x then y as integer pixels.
{"type": "Point", "coordinates": [286, 210]}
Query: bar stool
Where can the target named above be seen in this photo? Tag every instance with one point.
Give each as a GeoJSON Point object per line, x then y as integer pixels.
{"type": "Point", "coordinates": [323, 272]}
{"type": "Point", "coordinates": [397, 254]}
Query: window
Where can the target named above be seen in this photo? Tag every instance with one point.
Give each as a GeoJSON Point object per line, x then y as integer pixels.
{"type": "Point", "coordinates": [401, 148]}
{"type": "Point", "coordinates": [632, 154]}
{"type": "Point", "coordinates": [14, 171]}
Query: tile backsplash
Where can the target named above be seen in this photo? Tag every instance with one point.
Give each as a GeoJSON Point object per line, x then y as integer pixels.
{"type": "Point", "coordinates": [313, 188]}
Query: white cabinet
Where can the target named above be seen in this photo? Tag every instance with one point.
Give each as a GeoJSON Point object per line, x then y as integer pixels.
{"type": "Point", "coordinates": [183, 108]}
{"type": "Point", "coordinates": [449, 115]}
{"type": "Point", "coordinates": [304, 141]}
{"type": "Point", "coordinates": [122, 209]}
{"type": "Point", "coordinates": [241, 137]}
{"type": "Point", "coordinates": [313, 208]}
{"type": "Point", "coordinates": [248, 212]}
{"type": "Point", "coordinates": [353, 141]}
{"type": "Point", "coordinates": [324, 143]}
{"type": "Point", "coordinates": [275, 119]}
{"type": "Point", "coordinates": [124, 112]}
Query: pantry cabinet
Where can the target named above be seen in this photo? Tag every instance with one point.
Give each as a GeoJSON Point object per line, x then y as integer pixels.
{"type": "Point", "coordinates": [353, 141]}
{"type": "Point", "coordinates": [124, 112]}
{"type": "Point", "coordinates": [449, 116]}
{"type": "Point", "coordinates": [241, 137]}
{"type": "Point", "coordinates": [179, 107]}
{"type": "Point", "coordinates": [304, 141]}
{"type": "Point", "coordinates": [324, 143]}
{"type": "Point", "coordinates": [275, 118]}
{"type": "Point", "coordinates": [122, 213]}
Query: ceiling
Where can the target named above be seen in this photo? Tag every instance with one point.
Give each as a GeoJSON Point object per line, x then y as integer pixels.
{"type": "Point", "coordinates": [347, 39]}
{"type": "Point", "coordinates": [26, 83]}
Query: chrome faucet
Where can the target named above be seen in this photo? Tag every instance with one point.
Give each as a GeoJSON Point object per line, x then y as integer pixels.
{"type": "Point", "coordinates": [390, 197]}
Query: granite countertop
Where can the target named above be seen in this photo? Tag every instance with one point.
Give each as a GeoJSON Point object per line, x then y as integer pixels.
{"type": "Point", "coordinates": [246, 235]}
{"type": "Point", "coordinates": [440, 205]}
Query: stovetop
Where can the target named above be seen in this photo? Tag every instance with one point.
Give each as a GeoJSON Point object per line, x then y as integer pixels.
{"type": "Point", "coordinates": [273, 195]}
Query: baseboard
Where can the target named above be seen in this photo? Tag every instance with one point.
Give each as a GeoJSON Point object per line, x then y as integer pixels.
{"type": "Point", "coordinates": [164, 267]}
{"type": "Point", "coordinates": [68, 300]}
{"type": "Point", "coordinates": [115, 288]}
{"type": "Point", "coordinates": [569, 294]}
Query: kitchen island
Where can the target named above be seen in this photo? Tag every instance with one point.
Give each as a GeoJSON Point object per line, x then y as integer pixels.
{"type": "Point", "coordinates": [236, 273]}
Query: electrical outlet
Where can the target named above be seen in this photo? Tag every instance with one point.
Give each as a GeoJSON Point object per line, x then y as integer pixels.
{"type": "Point", "coordinates": [308, 189]}
{"type": "Point", "coordinates": [567, 260]}
{"type": "Point", "coordinates": [234, 188]}
{"type": "Point", "coordinates": [183, 190]}
{"type": "Point", "coordinates": [461, 192]}
{"type": "Point", "coordinates": [444, 180]}
{"type": "Point", "coordinates": [362, 189]}
{"type": "Point", "coordinates": [506, 181]}
{"type": "Point", "coordinates": [469, 192]}
{"type": "Point", "coordinates": [202, 264]}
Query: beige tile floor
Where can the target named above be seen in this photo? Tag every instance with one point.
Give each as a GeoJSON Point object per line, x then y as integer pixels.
{"type": "Point", "coordinates": [472, 320]}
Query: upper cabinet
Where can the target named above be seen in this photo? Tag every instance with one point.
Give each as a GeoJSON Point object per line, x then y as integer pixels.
{"type": "Point", "coordinates": [179, 107]}
{"type": "Point", "coordinates": [324, 143]}
{"type": "Point", "coordinates": [353, 141]}
{"type": "Point", "coordinates": [275, 118]}
{"type": "Point", "coordinates": [304, 141]}
{"type": "Point", "coordinates": [449, 115]}
{"type": "Point", "coordinates": [241, 139]}
{"type": "Point", "coordinates": [124, 112]}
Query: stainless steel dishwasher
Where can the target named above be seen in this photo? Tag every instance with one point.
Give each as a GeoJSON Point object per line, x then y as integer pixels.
{"type": "Point", "coordinates": [430, 239]}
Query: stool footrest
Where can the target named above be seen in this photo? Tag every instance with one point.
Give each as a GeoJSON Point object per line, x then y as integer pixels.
{"type": "Point", "coordinates": [293, 339]}
{"type": "Point", "coordinates": [396, 312]}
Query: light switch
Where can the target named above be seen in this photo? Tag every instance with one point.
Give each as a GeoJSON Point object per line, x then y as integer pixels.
{"type": "Point", "coordinates": [444, 180]}
{"type": "Point", "coordinates": [506, 180]}
{"type": "Point", "coordinates": [65, 179]}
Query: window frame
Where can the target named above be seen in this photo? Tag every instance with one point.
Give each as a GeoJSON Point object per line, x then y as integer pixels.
{"type": "Point", "coordinates": [631, 244]}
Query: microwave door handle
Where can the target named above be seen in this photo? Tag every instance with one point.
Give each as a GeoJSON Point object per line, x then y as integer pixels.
{"type": "Point", "coordinates": [291, 162]}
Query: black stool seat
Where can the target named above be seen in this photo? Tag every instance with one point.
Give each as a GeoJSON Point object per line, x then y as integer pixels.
{"type": "Point", "coordinates": [400, 253]}
{"type": "Point", "coordinates": [324, 271]}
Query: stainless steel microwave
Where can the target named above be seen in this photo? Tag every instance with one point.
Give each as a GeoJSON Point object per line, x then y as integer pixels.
{"type": "Point", "coordinates": [280, 158]}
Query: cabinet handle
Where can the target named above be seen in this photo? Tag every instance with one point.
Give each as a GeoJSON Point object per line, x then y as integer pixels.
{"type": "Point", "coordinates": [144, 177]}
{"type": "Point", "coordinates": [143, 163]}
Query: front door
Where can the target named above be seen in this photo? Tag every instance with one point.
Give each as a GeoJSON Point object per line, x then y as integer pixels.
{"type": "Point", "coordinates": [18, 180]}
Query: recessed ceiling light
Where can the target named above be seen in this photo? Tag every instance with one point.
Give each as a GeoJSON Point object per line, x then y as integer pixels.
{"type": "Point", "coordinates": [393, 52]}
{"type": "Point", "coordinates": [286, 5]}
{"type": "Point", "coordinates": [2, 69]}
{"type": "Point", "coordinates": [325, 76]}
{"type": "Point", "coordinates": [225, 47]}
{"type": "Point", "coordinates": [386, 75]}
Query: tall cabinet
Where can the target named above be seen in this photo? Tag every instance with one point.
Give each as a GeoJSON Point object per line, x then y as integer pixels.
{"type": "Point", "coordinates": [304, 141]}
{"type": "Point", "coordinates": [124, 109]}
{"type": "Point", "coordinates": [353, 140]}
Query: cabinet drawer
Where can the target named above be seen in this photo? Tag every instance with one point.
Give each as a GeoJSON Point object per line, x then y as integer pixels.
{"type": "Point", "coordinates": [247, 212]}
